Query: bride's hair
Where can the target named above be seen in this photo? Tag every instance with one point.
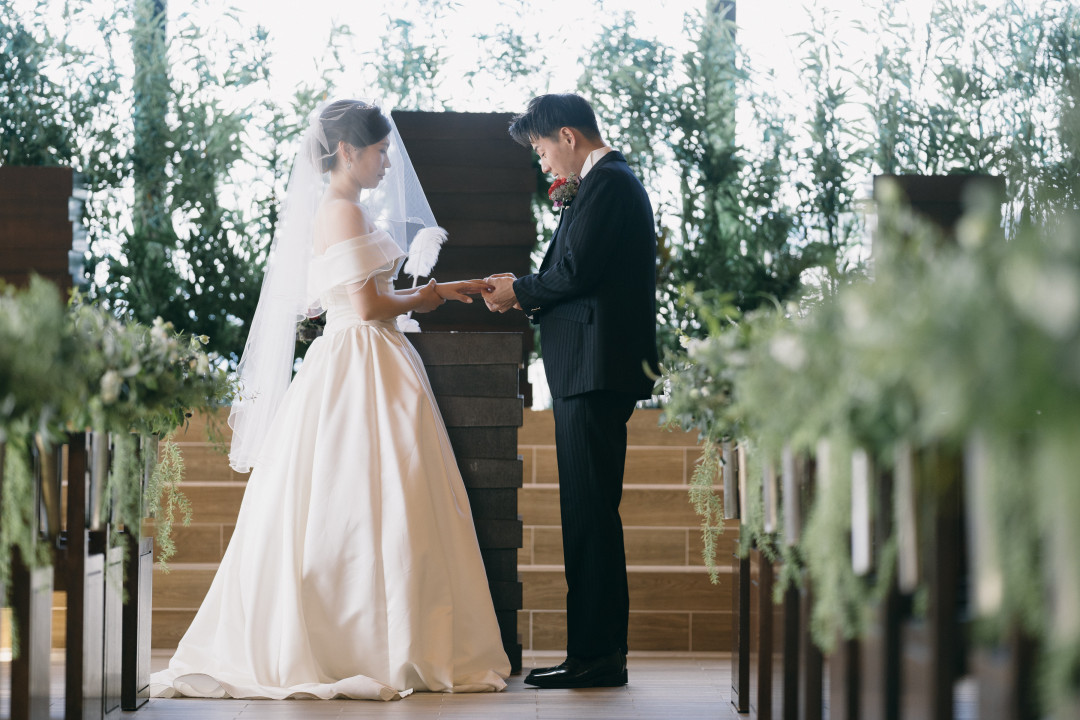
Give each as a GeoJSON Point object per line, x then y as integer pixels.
{"type": "Point", "coordinates": [356, 123]}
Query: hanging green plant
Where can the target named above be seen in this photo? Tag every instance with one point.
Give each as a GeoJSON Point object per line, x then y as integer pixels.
{"type": "Point", "coordinates": [166, 501]}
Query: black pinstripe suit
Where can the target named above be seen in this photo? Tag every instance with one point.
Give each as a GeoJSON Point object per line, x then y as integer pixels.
{"type": "Point", "coordinates": [594, 298]}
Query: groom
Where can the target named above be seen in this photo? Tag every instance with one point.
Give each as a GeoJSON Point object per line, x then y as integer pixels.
{"type": "Point", "coordinates": [594, 299]}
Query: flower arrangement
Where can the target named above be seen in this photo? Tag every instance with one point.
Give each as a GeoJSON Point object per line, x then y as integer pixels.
{"type": "Point", "coordinates": [964, 350]}
{"type": "Point", "coordinates": [563, 190]}
{"type": "Point", "coordinates": [76, 367]}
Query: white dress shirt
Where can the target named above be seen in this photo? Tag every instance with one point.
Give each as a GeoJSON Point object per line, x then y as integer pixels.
{"type": "Point", "coordinates": [591, 160]}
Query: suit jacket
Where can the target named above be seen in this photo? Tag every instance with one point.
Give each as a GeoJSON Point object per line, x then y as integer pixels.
{"type": "Point", "coordinates": [594, 296]}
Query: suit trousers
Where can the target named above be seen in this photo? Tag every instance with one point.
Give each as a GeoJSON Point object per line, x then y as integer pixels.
{"type": "Point", "coordinates": [590, 444]}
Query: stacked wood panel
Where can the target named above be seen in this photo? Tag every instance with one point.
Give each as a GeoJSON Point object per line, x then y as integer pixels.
{"type": "Point", "coordinates": [474, 377]}
{"type": "Point", "coordinates": [36, 224]}
{"type": "Point", "coordinates": [480, 185]}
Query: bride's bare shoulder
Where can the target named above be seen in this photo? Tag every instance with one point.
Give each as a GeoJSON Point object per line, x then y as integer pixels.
{"type": "Point", "coordinates": [342, 220]}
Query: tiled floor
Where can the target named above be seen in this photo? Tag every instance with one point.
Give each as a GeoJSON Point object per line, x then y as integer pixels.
{"type": "Point", "coordinates": [663, 686]}
{"type": "Point", "coordinates": [669, 687]}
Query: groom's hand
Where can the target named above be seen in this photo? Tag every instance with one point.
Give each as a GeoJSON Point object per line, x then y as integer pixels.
{"type": "Point", "coordinates": [500, 297]}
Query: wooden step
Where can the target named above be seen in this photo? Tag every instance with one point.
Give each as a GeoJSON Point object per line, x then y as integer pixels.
{"type": "Point", "coordinates": [650, 465]}
{"type": "Point", "coordinates": [204, 462]}
{"type": "Point", "coordinates": [655, 631]}
{"type": "Point", "coordinates": [542, 545]}
{"type": "Point", "coordinates": [195, 543]}
{"type": "Point", "coordinates": [642, 430]}
{"type": "Point", "coordinates": [642, 506]}
{"type": "Point", "coordinates": [214, 502]}
{"type": "Point", "coordinates": [655, 588]}
{"type": "Point", "coordinates": [671, 608]}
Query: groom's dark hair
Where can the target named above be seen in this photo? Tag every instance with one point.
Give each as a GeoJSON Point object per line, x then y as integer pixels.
{"type": "Point", "coordinates": [545, 114]}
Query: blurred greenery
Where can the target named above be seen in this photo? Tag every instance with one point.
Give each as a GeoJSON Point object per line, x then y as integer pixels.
{"type": "Point", "coordinates": [945, 347]}
{"type": "Point", "coordinates": [757, 190]}
{"type": "Point", "coordinates": [77, 367]}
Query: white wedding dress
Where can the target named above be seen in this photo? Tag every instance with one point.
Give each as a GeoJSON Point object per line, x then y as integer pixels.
{"type": "Point", "coordinates": [354, 570]}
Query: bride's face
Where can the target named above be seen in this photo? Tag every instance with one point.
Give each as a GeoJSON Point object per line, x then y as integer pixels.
{"type": "Point", "coordinates": [371, 163]}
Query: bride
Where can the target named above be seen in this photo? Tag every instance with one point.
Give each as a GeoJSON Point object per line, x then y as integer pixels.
{"type": "Point", "coordinates": [354, 570]}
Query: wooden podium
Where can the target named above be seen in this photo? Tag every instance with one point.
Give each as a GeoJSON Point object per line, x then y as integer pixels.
{"type": "Point", "coordinates": [475, 380]}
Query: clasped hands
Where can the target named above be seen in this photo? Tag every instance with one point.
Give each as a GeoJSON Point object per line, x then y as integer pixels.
{"type": "Point", "coordinates": [499, 294]}
{"type": "Point", "coordinates": [497, 291]}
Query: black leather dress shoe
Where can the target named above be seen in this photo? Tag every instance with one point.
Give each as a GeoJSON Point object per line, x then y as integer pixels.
{"type": "Point", "coordinates": [604, 671]}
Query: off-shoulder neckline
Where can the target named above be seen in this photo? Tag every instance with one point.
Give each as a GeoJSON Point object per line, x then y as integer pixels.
{"type": "Point", "coordinates": [352, 240]}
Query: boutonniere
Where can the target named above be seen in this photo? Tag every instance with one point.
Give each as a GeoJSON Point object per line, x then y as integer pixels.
{"type": "Point", "coordinates": [563, 190]}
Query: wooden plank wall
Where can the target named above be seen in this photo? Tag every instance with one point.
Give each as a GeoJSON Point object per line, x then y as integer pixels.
{"type": "Point", "coordinates": [479, 183]}
{"type": "Point", "coordinates": [35, 225]}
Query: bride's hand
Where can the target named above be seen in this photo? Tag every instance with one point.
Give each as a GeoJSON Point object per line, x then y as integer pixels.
{"type": "Point", "coordinates": [428, 298]}
{"type": "Point", "coordinates": [461, 290]}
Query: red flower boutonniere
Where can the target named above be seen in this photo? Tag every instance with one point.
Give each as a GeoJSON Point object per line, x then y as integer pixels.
{"type": "Point", "coordinates": [563, 190]}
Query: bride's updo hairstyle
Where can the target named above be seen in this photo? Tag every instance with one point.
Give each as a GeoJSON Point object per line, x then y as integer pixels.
{"type": "Point", "coordinates": [356, 123]}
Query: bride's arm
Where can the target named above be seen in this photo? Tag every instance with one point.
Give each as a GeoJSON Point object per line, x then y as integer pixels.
{"type": "Point", "coordinates": [371, 304]}
{"type": "Point", "coordinates": [459, 290]}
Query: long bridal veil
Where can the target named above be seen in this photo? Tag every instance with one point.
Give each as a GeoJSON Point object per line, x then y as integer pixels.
{"type": "Point", "coordinates": [398, 206]}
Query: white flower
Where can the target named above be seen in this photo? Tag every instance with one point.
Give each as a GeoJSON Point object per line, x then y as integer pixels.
{"type": "Point", "coordinates": [203, 365]}
{"type": "Point", "coordinates": [856, 314]}
{"type": "Point", "coordinates": [788, 350]}
{"type": "Point", "coordinates": [159, 332]}
{"type": "Point", "coordinates": [1048, 296]}
{"type": "Point", "coordinates": [407, 324]}
{"type": "Point", "coordinates": [110, 387]}
{"type": "Point", "coordinates": [695, 347]}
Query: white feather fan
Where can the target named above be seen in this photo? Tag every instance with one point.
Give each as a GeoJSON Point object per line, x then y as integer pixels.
{"type": "Point", "coordinates": [424, 252]}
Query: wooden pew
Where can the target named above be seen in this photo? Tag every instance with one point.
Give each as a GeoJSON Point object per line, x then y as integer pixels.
{"type": "Point", "coordinates": [138, 589]}
{"type": "Point", "coordinates": [31, 604]}
{"type": "Point", "coordinates": [84, 573]}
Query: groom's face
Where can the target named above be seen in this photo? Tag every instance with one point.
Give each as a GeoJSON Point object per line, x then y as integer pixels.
{"type": "Point", "coordinates": [556, 153]}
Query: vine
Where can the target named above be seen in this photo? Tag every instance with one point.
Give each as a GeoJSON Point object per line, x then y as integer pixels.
{"type": "Point", "coordinates": [708, 504]}
{"type": "Point", "coordinates": [165, 499]}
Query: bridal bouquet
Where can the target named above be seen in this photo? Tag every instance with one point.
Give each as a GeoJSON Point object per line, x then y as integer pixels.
{"type": "Point", "coordinates": [563, 190]}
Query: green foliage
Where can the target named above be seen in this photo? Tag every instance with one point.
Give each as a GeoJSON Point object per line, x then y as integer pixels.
{"type": "Point", "coordinates": [629, 80]}
{"type": "Point", "coordinates": [193, 254]}
{"type": "Point", "coordinates": [946, 342]}
{"type": "Point", "coordinates": [51, 91]}
{"type": "Point", "coordinates": [63, 370]}
{"type": "Point", "coordinates": [35, 350]}
{"type": "Point", "coordinates": [165, 499]}
{"type": "Point", "coordinates": [141, 379]}
{"type": "Point", "coordinates": [708, 504]}
{"type": "Point", "coordinates": [409, 68]}
{"type": "Point", "coordinates": [735, 230]}
{"type": "Point", "coordinates": [511, 59]}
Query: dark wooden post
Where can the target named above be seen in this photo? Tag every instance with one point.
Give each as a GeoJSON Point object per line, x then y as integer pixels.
{"type": "Point", "coordinates": [933, 648]}
{"type": "Point", "coordinates": [843, 666]}
{"type": "Point", "coordinates": [880, 652]}
{"type": "Point", "coordinates": [762, 617]}
{"type": "Point", "coordinates": [138, 589]}
{"type": "Point", "coordinates": [740, 633]}
{"type": "Point", "coordinates": [475, 380]}
{"type": "Point", "coordinates": [84, 572]}
{"type": "Point", "coordinates": [787, 655]}
{"type": "Point", "coordinates": [740, 574]}
{"type": "Point", "coordinates": [31, 606]}
{"type": "Point", "coordinates": [811, 663]}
